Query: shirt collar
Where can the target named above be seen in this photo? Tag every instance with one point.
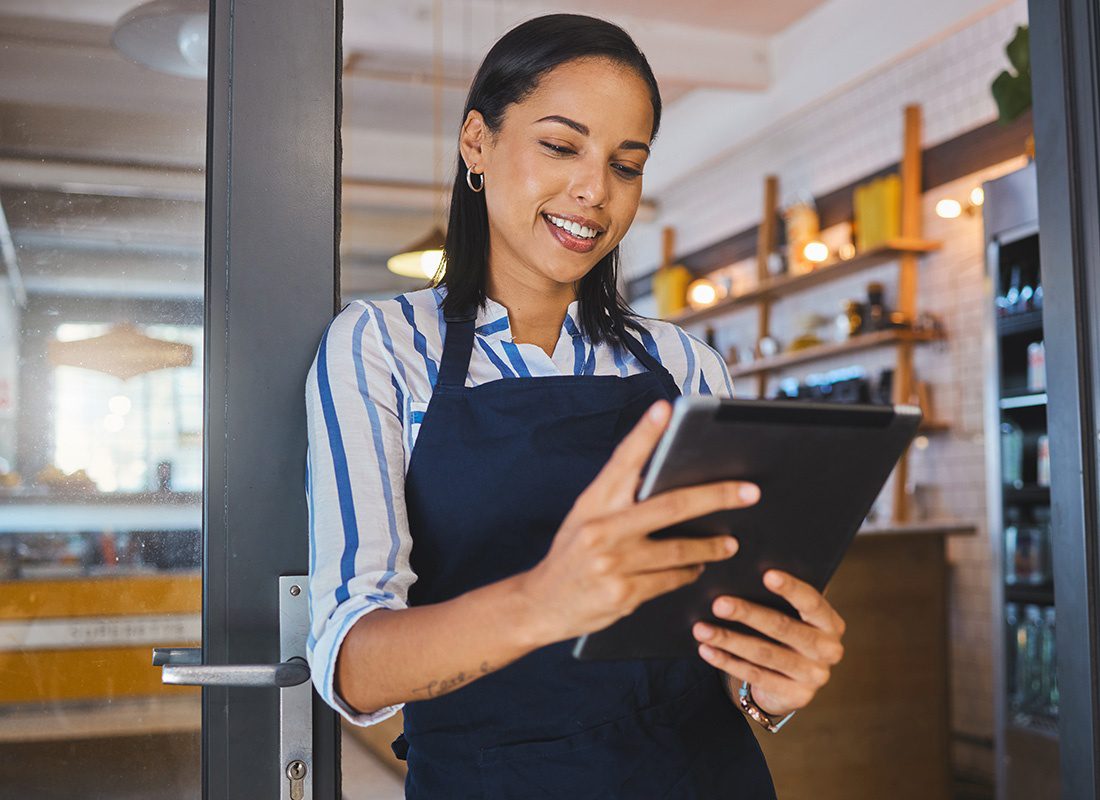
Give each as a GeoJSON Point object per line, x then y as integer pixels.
{"type": "Point", "coordinates": [492, 320]}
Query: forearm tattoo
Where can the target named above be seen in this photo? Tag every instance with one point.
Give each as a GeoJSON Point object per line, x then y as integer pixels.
{"type": "Point", "coordinates": [444, 685]}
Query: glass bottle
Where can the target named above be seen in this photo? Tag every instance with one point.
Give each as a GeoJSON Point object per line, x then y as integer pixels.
{"type": "Point", "coordinates": [875, 319]}
{"type": "Point", "coordinates": [1050, 663]}
{"type": "Point", "coordinates": [1026, 546]}
{"type": "Point", "coordinates": [1036, 367]}
{"type": "Point", "coordinates": [1012, 296]}
{"type": "Point", "coordinates": [1012, 632]}
{"type": "Point", "coordinates": [1012, 454]}
{"type": "Point", "coordinates": [1031, 696]}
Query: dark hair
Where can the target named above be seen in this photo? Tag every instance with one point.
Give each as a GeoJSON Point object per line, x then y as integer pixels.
{"type": "Point", "coordinates": [510, 73]}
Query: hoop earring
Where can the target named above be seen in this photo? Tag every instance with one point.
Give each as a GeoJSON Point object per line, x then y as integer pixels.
{"type": "Point", "coordinates": [470, 182]}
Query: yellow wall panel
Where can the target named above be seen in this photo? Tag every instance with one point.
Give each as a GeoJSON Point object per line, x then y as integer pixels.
{"type": "Point", "coordinates": [94, 674]}
{"type": "Point", "coordinates": [103, 596]}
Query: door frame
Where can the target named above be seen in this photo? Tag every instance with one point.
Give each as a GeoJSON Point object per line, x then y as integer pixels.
{"type": "Point", "coordinates": [1064, 55]}
{"type": "Point", "coordinates": [272, 285]}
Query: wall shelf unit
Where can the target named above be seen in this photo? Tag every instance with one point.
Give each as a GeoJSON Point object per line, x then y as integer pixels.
{"type": "Point", "coordinates": [905, 251]}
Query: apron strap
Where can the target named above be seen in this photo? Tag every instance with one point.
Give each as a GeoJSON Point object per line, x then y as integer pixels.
{"type": "Point", "coordinates": [458, 343]}
{"type": "Point", "coordinates": [651, 363]}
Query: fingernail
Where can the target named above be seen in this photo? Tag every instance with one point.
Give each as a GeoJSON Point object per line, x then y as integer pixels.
{"type": "Point", "coordinates": [706, 651]}
{"type": "Point", "coordinates": [773, 579]}
{"type": "Point", "coordinates": [702, 631]}
{"type": "Point", "coordinates": [723, 607]}
{"type": "Point", "coordinates": [749, 492]}
{"type": "Point", "coordinates": [657, 412]}
{"type": "Point", "coordinates": [731, 545]}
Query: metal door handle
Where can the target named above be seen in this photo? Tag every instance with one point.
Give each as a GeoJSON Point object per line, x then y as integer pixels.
{"type": "Point", "coordinates": [177, 656]}
{"type": "Point", "coordinates": [291, 672]}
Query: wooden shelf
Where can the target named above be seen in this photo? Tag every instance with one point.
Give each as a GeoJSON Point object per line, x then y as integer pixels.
{"type": "Point", "coordinates": [1027, 495]}
{"type": "Point", "coordinates": [784, 285]}
{"type": "Point", "coordinates": [1034, 400]}
{"type": "Point", "coordinates": [864, 341]}
{"type": "Point", "coordinates": [1041, 594]}
{"type": "Point", "coordinates": [1026, 322]}
{"type": "Point", "coordinates": [942, 527]}
{"type": "Point", "coordinates": [1045, 727]}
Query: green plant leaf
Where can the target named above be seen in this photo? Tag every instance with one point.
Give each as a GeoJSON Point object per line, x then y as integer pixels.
{"type": "Point", "coordinates": [1018, 53]}
{"type": "Point", "coordinates": [1012, 94]}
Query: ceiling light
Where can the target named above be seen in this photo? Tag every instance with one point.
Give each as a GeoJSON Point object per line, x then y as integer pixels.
{"type": "Point", "coordinates": [977, 196]}
{"type": "Point", "coordinates": [166, 35]}
{"type": "Point", "coordinates": [817, 252]}
{"type": "Point", "coordinates": [704, 292]}
{"type": "Point", "coordinates": [419, 260]}
{"type": "Point", "coordinates": [119, 405]}
{"type": "Point", "coordinates": [948, 208]}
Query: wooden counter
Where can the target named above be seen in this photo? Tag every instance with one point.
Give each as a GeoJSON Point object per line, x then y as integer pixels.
{"type": "Point", "coordinates": [880, 728]}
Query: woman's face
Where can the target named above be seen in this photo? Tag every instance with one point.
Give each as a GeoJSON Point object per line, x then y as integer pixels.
{"type": "Point", "coordinates": [571, 154]}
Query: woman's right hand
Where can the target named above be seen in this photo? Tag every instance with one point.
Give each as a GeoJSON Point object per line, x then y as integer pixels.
{"type": "Point", "coordinates": [602, 563]}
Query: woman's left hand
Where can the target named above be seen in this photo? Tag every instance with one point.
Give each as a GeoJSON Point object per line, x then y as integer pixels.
{"type": "Point", "coordinates": [784, 676]}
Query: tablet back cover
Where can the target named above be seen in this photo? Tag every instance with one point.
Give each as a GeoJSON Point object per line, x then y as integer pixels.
{"type": "Point", "coordinates": [819, 468]}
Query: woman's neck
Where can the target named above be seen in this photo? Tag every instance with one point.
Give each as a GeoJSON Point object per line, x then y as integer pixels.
{"type": "Point", "coordinates": [535, 313]}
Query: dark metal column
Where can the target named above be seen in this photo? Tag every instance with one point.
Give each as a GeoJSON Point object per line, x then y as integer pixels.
{"type": "Point", "coordinates": [271, 286]}
{"type": "Point", "coordinates": [1064, 41]}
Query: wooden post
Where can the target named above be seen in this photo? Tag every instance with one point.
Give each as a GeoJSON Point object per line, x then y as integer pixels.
{"type": "Point", "coordinates": [668, 245]}
{"type": "Point", "coordinates": [765, 245]}
{"type": "Point", "coordinates": [911, 180]}
{"type": "Point", "coordinates": [911, 184]}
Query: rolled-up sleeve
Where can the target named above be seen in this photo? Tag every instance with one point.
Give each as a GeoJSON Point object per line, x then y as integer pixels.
{"type": "Point", "coordinates": [355, 489]}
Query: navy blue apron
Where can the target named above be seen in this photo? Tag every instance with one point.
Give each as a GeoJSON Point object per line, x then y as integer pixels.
{"type": "Point", "coordinates": [495, 470]}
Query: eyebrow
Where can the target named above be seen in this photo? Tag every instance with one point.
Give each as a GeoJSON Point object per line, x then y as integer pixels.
{"type": "Point", "coordinates": [581, 128]}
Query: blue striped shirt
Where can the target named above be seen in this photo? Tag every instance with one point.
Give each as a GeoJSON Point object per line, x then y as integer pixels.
{"type": "Point", "coordinates": [366, 395]}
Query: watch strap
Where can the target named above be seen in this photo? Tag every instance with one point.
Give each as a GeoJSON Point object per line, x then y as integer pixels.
{"type": "Point", "coordinates": [757, 714]}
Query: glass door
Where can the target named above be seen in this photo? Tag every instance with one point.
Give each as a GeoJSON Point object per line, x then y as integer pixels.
{"type": "Point", "coordinates": [167, 265]}
{"type": "Point", "coordinates": [101, 380]}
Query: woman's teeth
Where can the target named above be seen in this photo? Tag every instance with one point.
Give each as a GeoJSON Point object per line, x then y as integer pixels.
{"type": "Point", "coordinates": [573, 227]}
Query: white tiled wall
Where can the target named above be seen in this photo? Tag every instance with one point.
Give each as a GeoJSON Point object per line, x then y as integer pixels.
{"type": "Point", "coordinates": [843, 137]}
{"type": "Point", "coordinates": [850, 133]}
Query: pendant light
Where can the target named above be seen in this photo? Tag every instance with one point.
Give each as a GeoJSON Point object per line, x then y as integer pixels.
{"type": "Point", "coordinates": [422, 259]}
{"type": "Point", "coordinates": [166, 35]}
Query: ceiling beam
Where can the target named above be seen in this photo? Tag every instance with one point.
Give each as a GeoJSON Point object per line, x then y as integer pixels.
{"type": "Point", "coordinates": [162, 182]}
{"type": "Point", "coordinates": [400, 35]}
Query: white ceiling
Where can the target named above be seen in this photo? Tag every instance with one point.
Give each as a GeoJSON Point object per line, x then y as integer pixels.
{"type": "Point", "coordinates": [97, 153]}
{"type": "Point", "coordinates": [744, 16]}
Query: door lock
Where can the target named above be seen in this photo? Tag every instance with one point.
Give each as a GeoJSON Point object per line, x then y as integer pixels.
{"type": "Point", "coordinates": [182, 666]}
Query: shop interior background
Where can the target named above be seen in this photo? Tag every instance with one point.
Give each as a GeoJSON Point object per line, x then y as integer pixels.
{"type": "Point", "coordinates": [101, 189]}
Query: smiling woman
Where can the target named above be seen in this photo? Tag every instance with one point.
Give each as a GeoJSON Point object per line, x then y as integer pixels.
{"type": "Point", "coordinates": [475, 449]}
{"type": "Point", "coordinates": [558, 123]}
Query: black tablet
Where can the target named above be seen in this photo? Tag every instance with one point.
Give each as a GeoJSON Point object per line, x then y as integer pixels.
{"type": "Point", "coordinates": [819, 467]}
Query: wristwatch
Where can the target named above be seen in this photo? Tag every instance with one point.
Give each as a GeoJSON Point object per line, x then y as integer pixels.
{"type": "Point", "coordinates": [749, 706]}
